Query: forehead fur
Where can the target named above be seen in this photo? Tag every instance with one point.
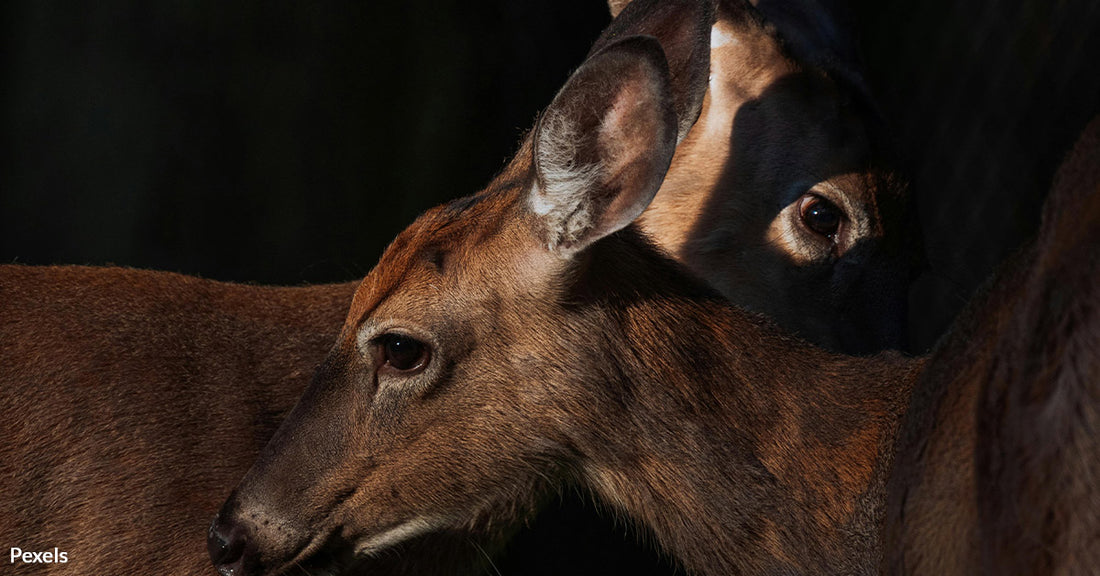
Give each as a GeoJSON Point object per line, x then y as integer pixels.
{"type": "Point", "coordinates": [446, 231]}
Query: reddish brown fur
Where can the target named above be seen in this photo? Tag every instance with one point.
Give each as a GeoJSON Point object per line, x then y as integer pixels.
{"type": "Point", "coordinates": [1041, 404]}
{"type": "Point", "coordinates": [610, 426]}
{"type": "Point", "coordinates": [615, 369]}
{"type": "Point", "coordinates": [131, 399]}
{"type": "Point", "coordinates": [117, 450]}
{"type": "Point", "coordinates": [741, 450]}
{"type": "Point", "coordinates": [932, 508]}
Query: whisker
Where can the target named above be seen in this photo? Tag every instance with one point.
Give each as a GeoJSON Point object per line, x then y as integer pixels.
{"type": "Point", "coordinates": [486, 555]}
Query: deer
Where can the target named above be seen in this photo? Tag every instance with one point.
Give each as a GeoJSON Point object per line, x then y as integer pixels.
{"type": "Point", "coordinates": [814, 231]}
{"type": "Point", "coordinates": [997, 447]}
{"type": "Point", "coordinates": [1039, 420]}
{"type": "Point", "coordinates": [139, 394]}
{"type": "Point", "coordinates": [793, 224]}
{"type": "Point", "coordinates": [531, 335]}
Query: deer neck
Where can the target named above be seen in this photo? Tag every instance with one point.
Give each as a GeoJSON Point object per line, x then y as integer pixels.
{"type": "Point", "coordinates": [742, 450]}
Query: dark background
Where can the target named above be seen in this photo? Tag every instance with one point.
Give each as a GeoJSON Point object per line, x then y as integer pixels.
{"type": "Point", "coordinates": [286, 143]}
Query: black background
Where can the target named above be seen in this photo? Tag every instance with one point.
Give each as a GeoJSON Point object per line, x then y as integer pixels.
{"type": "Point", "coordinates": [287, 143]}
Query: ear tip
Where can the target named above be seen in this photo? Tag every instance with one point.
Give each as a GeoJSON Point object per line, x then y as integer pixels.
{"type": "Point", "coordinates": [641, 48]}
{"type": "Point", "coordinates": [641, 43]}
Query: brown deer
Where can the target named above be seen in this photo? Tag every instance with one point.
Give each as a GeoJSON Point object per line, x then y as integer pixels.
{"type": "Point", "coordinates": [168, 387]}
{"type": "Point", "coordinates": [803, 221]}
{"type": "Point", "coordinates": [1039, 417]}
{"type": "Point", "coordinates": [999, 451]}
{"type": "Point", "coordinates": [122, 446]}
{"type": "Point", "coordinates": [528, 336]}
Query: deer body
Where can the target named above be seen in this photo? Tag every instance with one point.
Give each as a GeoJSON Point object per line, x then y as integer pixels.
{"type": "Point", "coordinates": [1041, 418]}
{"type": "Point", "coordinates": [999, 444]}
{"type": "Point", "coordinates": [96, 440]}
{"type": "Point", "coordinates": [803, 461]}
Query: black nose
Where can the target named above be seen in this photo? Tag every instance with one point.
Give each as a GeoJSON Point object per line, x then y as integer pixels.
{"type": "Point", "coordinates": [226, 542]}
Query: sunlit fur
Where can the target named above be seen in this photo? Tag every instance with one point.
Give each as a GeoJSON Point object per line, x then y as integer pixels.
{"type": "Point", "coordinates": [738, 448]}
{"type": "Point", "coordinates": [781, 119]}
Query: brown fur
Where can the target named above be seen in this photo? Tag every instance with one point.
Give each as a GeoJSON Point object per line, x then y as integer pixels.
{"type": "Point", "coordinates": [996, 462]}
{"type": "Point", "coordinates": [613, 368]}
{"type": "Point", "coordinates": [1041, 402]}
{"type": "Point", "coordinates": [741, 450]}
{"type": "Point", "coordinates": [773, 127]}
{"type": "Point", "coordinates": [131, 399]}
{"type": "Point", "coordinates": [672, 387]}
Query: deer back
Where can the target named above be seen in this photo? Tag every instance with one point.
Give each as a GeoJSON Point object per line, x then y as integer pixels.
{"type": "Point", "coordinates": [1000, 431]}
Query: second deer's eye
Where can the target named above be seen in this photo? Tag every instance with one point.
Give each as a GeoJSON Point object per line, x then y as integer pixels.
{"type": "Point", "coordinates": [403, 353]}
{"type": "Point", "coordinates": [820, 215]}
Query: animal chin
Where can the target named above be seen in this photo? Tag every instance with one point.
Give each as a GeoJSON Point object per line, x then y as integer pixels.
{"type": "Point", "coordinates": [397, 534]}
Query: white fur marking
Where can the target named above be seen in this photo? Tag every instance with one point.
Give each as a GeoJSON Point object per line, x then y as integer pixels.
{"type": "Point", "coordinates": [719, 37]}
{"type": "Point", "coordinates": [562, 197]}
{"type": "Point", "coordinates": [397, 535]}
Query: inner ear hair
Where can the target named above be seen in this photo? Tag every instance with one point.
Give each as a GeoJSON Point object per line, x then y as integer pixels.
{"type": "Point", "coordinates": [602, 147]}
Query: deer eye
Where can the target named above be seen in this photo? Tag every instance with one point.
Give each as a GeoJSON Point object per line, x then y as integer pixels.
{"type": "Point", "coordinates": [820, 215]}
{"type": "Point", "coordinates": [402, 353]}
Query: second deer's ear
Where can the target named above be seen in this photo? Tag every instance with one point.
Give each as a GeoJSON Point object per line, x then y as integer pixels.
{"type": "Point", "coordinates": [603, 146]}
{"type": "Point", "coordinates": [616, 6]}
{"type": "Point", "coordinates": [683, 29]}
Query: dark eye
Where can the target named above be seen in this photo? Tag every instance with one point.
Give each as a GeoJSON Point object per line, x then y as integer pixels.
{"type": "Point", "coordinates": [402, 353]}
{"type": "Point", "coordinates": [820, 215]}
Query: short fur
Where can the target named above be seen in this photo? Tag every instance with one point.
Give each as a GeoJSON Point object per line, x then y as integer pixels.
{"type": "Point", "coordinates": [996, 465]}
{"type": "Point", "coordinates": [740, 449]}
{"type": "Point", "coordinates": [174, 346]}
{"type": "Point", "coordinates": [781, 119]}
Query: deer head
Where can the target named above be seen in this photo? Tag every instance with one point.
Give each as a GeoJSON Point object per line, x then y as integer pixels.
{"type": "Point", "coordinates": [782, 194]}
{"type": "Point", "coordinates": [423, 417]}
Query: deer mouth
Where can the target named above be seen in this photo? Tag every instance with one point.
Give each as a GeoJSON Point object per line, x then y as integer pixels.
{"type": "Point", "coordinates": [325, 555]}
{"type": "Point", "coordinates": [334, 554]}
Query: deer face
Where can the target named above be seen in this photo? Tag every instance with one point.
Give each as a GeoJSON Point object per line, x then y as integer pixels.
{"type": "Point", "coordinates": [449, 398]}
{"type": "Point", "coordinates": [779, 196]}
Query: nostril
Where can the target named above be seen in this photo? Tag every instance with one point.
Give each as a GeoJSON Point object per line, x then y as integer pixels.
{"type": "Point", "coordinates": [226, 542]}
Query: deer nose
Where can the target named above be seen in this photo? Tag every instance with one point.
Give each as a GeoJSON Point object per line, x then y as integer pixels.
{"type": "Point", "coordinates": [226, 544]}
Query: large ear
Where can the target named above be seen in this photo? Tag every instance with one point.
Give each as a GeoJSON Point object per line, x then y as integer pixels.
{"type": "Point", "coordinates": [616, 6]}
{"type": "Point", "coordinates": [603, 146]}
{"type": "Point", "coordinates": [683, 29]}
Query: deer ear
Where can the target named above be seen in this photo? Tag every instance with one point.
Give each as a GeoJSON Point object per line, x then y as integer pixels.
{"type": "Point", "coordinates": [616, 6]}
{"type": "Point", "coordinates": [683, 29]}
{"type": "Point", "coordinates": [603, 146]}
